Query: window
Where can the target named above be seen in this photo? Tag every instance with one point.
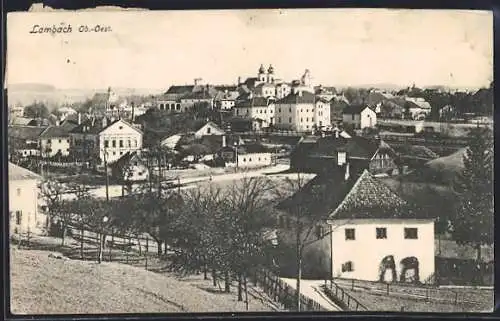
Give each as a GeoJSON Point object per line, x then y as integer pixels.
{"type": "Point", "coordinates": [18, 217]}
{"type": "Point", "coordinates": [60, 140]}
{"type": "Point", "coordinates": [279, 119]}
{"type": "Point", "coordinates": [114, 153]}
{"type": "Point", "coordinates": [350, 234]}
{"type": "Point", "coordinates": [59, 150]}
{"type": "Point", "coordinates": [121, 143]}
{"type": "Point", "coordinates": [67, 141]}
{"type": "Point", "coordinates": [301, 120]}
{"type": "Point", "coordinates": [48, 141]}
{"type": "Point", "coordinates": [290, 109]}
{"type": "Point", "coordinates": [347, 267]}
{"type": "Point", "coordinates": [113, 143]}
{"type": "Point", "coordinates": [289, 119]}
{"type": "Point", "coordinates": [352, 116]}
{"type": "Point", "coordinates": [129, 143]}
{"type": "Point", "coordinates": [18, 192]}
{"type": "Point", "coordinates": [307, 119]}
{"type": "Point", "coordinates": [121, 127]}
{"type": "Point", "coordinates": [279, 110]}
{"type": "Point", "coordinates": [135, 142]}
{"type": "Point", "coordinates": [411, 233]}
{"type": "Point", "coordinates": [209, 130]}
{"type": "Point", "coordinates": [140, 173]}
{"type": "Point", "coordinates": [381, 233]}
{"type": "Point", "coordinates": [244, 159]}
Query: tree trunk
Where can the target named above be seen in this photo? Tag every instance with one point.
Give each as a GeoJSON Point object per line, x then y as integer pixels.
{"type": "Point", "coordinates": [205, 271]}
{"type": "Point", "coordinates": [227, 281]}
{"type": "Point", "coordinates": [158, 243]}
{"type": "Point", "coordinates": [139, 244]}
{"type": "Point", "coordinates": [299, 275]}
{"type": "Point", "coordinates": [240, 287]}
{"type": "Point", "coordinates": [99, 255]}
{"type": "Point", "coordinates": [478, 253]}
{"type": "Point", "coordinates": [82, 235]}
{"type": "Point", "coordinates": [214, 277]}
{"type": "Point", "coordinates": [246, 290]}
{"type": "Point", "coordinates": [63, 234]}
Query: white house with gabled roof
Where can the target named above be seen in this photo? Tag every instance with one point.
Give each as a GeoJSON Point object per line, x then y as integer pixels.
{"type": "Point", "coordinates": [361, 230]}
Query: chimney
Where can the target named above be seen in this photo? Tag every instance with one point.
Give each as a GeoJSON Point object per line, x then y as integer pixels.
{"type": "Point", "coordinates": [223, 140]}
{"type": "Point", "coordinates": [347, 173]}
{"type": "Point", "coordinates": [337, 133]}
{"type": "Point", "coordinates": [79, 119]}
{"type": "Point", "coordinates": [239, 81]}
{"type": "Point", "coordinates": [300, 93]}
{"type": "Point", "coordinates": [104, 122]}
{"type": "Point", "coordinates": [58, 123]}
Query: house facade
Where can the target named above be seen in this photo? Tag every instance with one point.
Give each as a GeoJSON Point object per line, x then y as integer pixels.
{"type": "Point", "coordinates": [296, 112]}
{"type": "Point", "coordinates": [23, 200]}
{"type": "Point", "coordinates": [325, 153]}
{"type": "Point", "coordinates": [362, 230]}
{"type": "Point", "coordinates": [117, 139]}
{"type": "Point", "coordinates": [359, 117]}
{"type": "Point", "coordinates": [254, 160]}
{"type": "Point", "coordinates": [106, 139]}
{"type": "Point", "coordinates": [208, 129]}
{"type": "Point", "coordinates": [56, 140]}
{"type": "Point", "coordinates": [256, 108]}
{"type": "Point", "coordinates": [130, 168]}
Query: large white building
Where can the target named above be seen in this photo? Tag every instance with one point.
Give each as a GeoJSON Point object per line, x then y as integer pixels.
{"type": "Point", "coordinates": [23, 201]}
{"type": "Point", "coordinates": [260, 109]}
{"type": "Point", "coordinates": [367, 232]}
{"type": "Point", "coordinates": [106, 139]}
{"type": "Point", "coordinates": [302, 111]}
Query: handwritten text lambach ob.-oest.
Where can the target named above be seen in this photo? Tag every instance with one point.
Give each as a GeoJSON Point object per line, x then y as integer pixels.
{"type": "Point", "coordinates": [68, 28]}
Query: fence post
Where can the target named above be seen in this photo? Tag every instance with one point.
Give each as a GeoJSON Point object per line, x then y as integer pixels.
{"type": "Point", "coordinates": [146, 266]}
{"type": "Point", "coordinates": [387, 288]}
{"type": "Point", "coordinates": [348, 301]}
{"type": "Point", "coordinates": [147, 244]}
{"type": "Point", "coordinates": [456, 298]}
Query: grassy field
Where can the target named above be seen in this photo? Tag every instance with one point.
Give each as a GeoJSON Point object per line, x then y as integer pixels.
{"type": "Point", "coordinates": [44, 285]}
{"type": "Point", "coordinates": [419, 298]}
{"type": "Point", "coordinates": [383, 303]}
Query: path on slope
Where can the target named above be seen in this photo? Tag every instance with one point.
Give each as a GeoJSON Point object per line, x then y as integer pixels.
{"type": "Point", "coordinates": [312, 290]}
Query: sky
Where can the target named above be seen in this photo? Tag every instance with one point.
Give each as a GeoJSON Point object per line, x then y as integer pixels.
{"type": "Point", "coordinates": [340, 47]}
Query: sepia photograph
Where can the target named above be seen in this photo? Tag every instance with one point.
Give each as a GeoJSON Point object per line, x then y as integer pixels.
{"type": "Point", "coordinates": [259, 160]}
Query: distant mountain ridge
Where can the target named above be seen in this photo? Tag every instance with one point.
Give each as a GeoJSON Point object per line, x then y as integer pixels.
{"type": "Point", "coordinates": [27, 93]}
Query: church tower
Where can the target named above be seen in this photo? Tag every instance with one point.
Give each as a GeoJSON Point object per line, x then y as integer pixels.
{"type": "Point", "coordinates": [270, 74]}
{"type": "Point", "coordinates": [262, 73]}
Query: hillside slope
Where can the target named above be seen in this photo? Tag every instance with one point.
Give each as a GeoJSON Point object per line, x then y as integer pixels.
{"type": "Point", "coordinates": [43, 285]}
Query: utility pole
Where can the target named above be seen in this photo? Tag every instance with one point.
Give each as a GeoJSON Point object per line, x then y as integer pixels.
{"type": "Point", "coordinates": [106, 171]}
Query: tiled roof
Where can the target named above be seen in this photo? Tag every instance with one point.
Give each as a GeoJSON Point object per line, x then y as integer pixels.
{"type": "Point", "coordinates": [202, 94]}
{"type": "Point", "coordinates": [62, 130]}
{"type": "Point", "coordinates": [180, 89]}
{"type": "Point", "coordinates": [355, 147]}
{"type": "Point", "coordinates": [360, 196]}
{"type": "Point", "coordinates": [21, 121]}
{"type": "Point", "coordinates": [18, 173]}
{"type": "Point", "coordinates": [416, 151]}
{"type": "Point", "coordinates": [25, 132]}
{"type": "Point", "coordinates": [253, 102]}
{"type": "Point", "coordinates": [370, 198]}
{"type": "Point", "coordinates": [296, 98]}
{"type": "Point", "coordinates": [354, 109]}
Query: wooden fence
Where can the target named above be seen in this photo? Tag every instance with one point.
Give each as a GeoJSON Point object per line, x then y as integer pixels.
{"type": "Point", "coordinates": [281, 292]}
{"type": "Point", "coordinates": [425, 292]}
{"type": "Point", "coordinates": [343, 299]}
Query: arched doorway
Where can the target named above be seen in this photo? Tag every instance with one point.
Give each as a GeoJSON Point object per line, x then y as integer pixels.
{"type": "Point", "coordinates": [386, 264]}
{"type": "Point", "coordinates": [410, 270]}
